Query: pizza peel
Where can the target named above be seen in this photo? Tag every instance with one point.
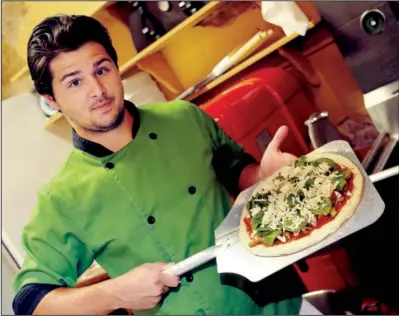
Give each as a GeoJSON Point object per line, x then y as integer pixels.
{"type": "Point", "coordinates": [232, 257]}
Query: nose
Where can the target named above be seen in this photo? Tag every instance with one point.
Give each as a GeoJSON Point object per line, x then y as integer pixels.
{"type": "Point", "coordinates": [97, 87]}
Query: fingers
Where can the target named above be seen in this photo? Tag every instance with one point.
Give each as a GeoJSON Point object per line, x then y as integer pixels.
{"type": "Point", "coordinates": [159, 265]}
{"type": "Point", "coordinates": [169, 280]}
{"type": "Point", "coordinates": [165, 279]}
{"type": "Point", "coordinates": [152, 302]}
{"type": "Point", "coordinates": [279, 137]}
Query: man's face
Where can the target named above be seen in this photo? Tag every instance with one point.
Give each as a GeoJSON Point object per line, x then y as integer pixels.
{"type": "Point", "coordinates": [87, 88]}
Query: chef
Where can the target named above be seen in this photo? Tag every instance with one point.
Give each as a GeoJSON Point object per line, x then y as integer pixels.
{"type": "Point", "coordinates": [142, 188]}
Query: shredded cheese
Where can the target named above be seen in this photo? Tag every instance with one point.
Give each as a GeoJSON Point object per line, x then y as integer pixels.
{"type": "Point", "coordinates": [286, 205]}
{"type": "Point", "coordinates": [255, 210]}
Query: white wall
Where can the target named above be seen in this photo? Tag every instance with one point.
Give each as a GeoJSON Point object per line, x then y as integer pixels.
{"type": "Point", "coordinates": [30, 156]}
{"type": "Point", "coordinates": [8, 271]}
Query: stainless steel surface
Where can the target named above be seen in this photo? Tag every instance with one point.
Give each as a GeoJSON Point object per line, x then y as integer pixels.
{"type": "Point", "coordinates": [382, 105]}
{"type": "Point", "coordinates": [323, 300]}
{"type": "Point", "coordinates": [371, 154]}
{"type": "Point", "coordinates": [240, 261]}
{"type": "Point", "coordinates": [321, 130]}
{"type": "Point", "coordinates": [316, 117]}
{"type": "Point", "coordinates": [385, 154]}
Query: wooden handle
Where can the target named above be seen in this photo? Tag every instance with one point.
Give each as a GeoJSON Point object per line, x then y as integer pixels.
{"type": "Point", "coordinates": [241, 52]}
{"type": "Point", "coordinates": [248, 48]}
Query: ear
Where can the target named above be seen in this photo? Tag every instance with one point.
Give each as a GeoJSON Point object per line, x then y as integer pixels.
{"type": "Point", "coordinates": [51, 101]}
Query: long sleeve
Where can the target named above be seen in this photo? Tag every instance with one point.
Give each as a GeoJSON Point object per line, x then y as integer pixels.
{"type": "Point", "coordinates": [229, 158]}
{"type": "Point", "coordinates": [54, 254]}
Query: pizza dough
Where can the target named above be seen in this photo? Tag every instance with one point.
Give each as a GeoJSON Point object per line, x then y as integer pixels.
{"type": "Point", "coordinates": [317, 234]}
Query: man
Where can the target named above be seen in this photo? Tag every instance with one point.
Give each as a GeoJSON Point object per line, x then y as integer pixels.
{"type": "Point", "coordinates": [142, 188]}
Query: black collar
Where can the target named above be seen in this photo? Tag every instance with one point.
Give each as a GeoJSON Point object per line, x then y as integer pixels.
{"type": "Point", "coordinates": [98, 150]}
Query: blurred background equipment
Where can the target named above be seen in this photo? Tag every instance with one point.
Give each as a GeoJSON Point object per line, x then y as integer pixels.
{"type": "Point", "coordinates": [150, 20]}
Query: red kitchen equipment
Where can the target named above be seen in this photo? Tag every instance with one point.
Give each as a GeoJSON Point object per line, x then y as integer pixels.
{"type": "Point", "coordinates": [252, 110]}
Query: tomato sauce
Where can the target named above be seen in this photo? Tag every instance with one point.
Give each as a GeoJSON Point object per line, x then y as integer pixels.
{"type": "Point", "coordinates": [321, 219]}
{"type": "Point", "coordinates": [247, 221]}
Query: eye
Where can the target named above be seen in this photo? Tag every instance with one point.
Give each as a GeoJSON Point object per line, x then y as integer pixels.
{"type": "Point", "coordinates": [102, 71]}
{"type": "Point", "coordinates": [74, 83]}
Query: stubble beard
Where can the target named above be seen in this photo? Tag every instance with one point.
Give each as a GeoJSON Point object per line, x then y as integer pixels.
{"type": "Point", "coordinates": [116, 121]}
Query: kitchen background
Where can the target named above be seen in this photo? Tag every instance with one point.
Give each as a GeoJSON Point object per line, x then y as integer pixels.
{"type": "Point", "coordinates": [345, 62]}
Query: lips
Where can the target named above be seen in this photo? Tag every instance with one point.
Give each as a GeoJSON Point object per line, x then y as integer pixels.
{"type": "Point", "coordinates": [103, 105]}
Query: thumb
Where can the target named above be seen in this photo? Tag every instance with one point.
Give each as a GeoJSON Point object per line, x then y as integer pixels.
{"type": "Point", "coordinates": [278, 138]}
{"type": "Point", "coordinates": [289, 158]}
{"type": "Point", "coordinates": [169, 279]}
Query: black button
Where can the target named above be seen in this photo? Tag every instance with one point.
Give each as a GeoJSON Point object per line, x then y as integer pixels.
{"type": "Point", "coordinates": [192, 190]}
{"type": "Point", "coordinates": [189, 277]}
{"type": "Point", "coordinates": [109, 165]}
{"type": "Point", "coordinates": [151, 219]}
{"type": "Point", "coordinates": [153, 136]}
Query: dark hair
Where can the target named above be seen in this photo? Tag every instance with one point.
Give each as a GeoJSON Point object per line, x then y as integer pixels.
{"type": "Point", "coordinates": [62, 33]}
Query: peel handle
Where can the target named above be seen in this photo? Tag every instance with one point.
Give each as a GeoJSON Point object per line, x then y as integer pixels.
{"type": "Point", "coordinates": [193, 262]}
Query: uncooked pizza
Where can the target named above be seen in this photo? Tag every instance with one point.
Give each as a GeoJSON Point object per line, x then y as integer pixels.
{"type": "Point", "coordinates": [301, 204]}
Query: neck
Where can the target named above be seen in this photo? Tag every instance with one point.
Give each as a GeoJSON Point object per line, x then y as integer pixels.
{"type": "Point", "coordinates": [114, 139]}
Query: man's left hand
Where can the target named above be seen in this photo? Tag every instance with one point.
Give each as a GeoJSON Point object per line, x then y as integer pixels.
{"type": "Point", "coordinates": [273, 158]}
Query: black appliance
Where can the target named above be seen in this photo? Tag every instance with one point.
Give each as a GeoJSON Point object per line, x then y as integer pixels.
{"type": "Point", "coordinates": [367, 34]}
{"type": "Point", "coordinates": [150, 20]}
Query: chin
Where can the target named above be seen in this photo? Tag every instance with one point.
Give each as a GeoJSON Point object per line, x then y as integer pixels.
{"type": "Point", "coordinates": [111, 124]}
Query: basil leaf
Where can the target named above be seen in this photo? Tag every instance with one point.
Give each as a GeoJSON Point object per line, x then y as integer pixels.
{"type": "Point", "coordinates": [250, 204]}
{"type": "Point", "coordinates": [328, 161]}
{"type": "Point", "coordinates": [255, 223]}
{"type": "Point", "coordinates": [263, 231]}
{"type": "Point", "coordinates": [347, 174]}
{"type": "Point", "coordinates": [265, 228]}
{"type": "Point", "coordinates": [309, 183]}
{"type": "Point", "coordinates": [258, 216]}
{"type": "Point", "coordinates": [324, 207]}
{"type": "Point", "coordinates": [285, 225]}
{"type": "Point", "coordinates": [339, 183]}
{"type": "Point", "coordinates": [261, 204]}
{"type": "Point", "coordinates": [293, 180]}
{"type": "Point", "coordinates": [339, 173]}
{"type": "Point", "coordinates": [258, 196]}
{"type": "Point", "coordinates": [300, 162]}
{"type": "Point", "coordinates": [279, 177]}
{"type": "Point", "coordinates": [269, 238]}
{"type": "Point", "coordinates": [303, 224]}
{"type": "Point", "coordinates": [288, 223]}
{"type": "Point", "coordinates": [291, 200]}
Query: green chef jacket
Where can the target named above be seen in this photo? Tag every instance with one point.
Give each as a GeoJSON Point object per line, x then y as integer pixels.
{"type": "Point", "coordinates": [156, 199]}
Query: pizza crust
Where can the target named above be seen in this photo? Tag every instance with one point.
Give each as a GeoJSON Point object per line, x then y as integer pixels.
{"type": "Point", "coordinates": [318, 234]}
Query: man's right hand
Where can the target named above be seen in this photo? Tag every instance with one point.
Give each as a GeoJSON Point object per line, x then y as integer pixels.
{"type": "Point", "coordinates": [142, 288]}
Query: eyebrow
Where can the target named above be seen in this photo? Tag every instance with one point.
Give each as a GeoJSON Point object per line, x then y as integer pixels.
{"type": "Point", "coordinates": [102, 60]}
{"type": "Point", "coordinates": [74, 73]}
